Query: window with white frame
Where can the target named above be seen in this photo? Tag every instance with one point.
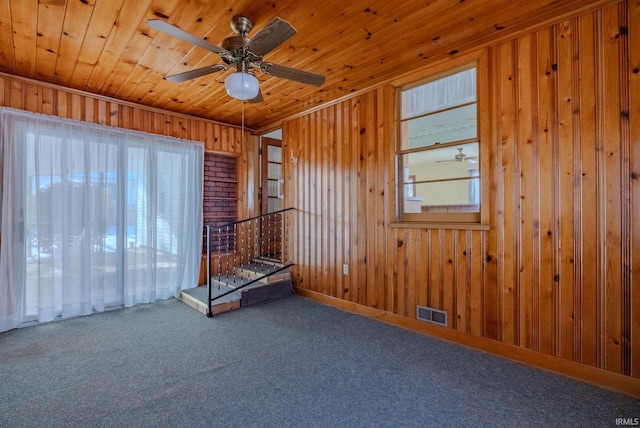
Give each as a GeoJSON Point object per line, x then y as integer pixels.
{"type": "Point", "coordinates": [438, 154]}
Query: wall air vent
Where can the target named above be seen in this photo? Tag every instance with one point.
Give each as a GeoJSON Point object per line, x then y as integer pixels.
{"type": "Point", "coordinates": [435, 316]}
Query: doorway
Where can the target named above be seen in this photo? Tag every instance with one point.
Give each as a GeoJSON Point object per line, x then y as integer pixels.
{"type": "Point", "coordinates": [272, 194]}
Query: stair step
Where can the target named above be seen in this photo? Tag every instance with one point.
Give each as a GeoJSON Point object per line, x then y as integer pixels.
{"type": "Point", "coordinates": [268, 260]}
{"type": "Point", "coordinates": [226, 304]}
{"type": "Point", "coordinates": [197, 297]}
{"type": "Point", "coordinates": [257, 273]}
{"type": "Point", "coordinates": [254, 293]}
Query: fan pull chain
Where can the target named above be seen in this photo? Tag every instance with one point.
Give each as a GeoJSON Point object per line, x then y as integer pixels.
{"type": "Point", "coordinates": [242, 136]}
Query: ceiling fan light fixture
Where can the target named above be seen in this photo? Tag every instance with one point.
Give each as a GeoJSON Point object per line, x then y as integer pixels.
{"type": "Point", "coordinates": [242, 85]}
{"type": "Point", "coordinates": [243, 53]}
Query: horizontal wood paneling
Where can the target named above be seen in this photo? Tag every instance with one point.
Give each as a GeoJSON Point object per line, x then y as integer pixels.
{"type": "Point", "coordinates": [557, 272]}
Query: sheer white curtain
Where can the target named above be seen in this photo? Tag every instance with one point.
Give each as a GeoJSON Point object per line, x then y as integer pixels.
{"type": "Point", "coordinates": [93, 217]}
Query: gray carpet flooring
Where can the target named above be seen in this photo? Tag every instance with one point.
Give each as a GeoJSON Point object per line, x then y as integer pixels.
{"type": "Point", "coordinates": [289, 362]}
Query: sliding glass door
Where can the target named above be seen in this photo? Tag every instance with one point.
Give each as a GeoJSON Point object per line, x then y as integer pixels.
{"type": "Point", "coordinates": [94, 217]}
{"type": "Point", "coordinates": [70, 223]}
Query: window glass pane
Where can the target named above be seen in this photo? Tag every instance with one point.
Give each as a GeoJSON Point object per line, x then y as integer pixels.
{"type": "Point", "coordinates": [441, 163]}
{"type": "Point", "coordinates": [446, 176]}
{"type": "Point", "coordinates": [443, 127]}
{"type": "Point", "coordinates": [274, 204]}
{"type": "Point", "coordinates": [274, 170]}
{"type": "Point", "coordinates": [274, 154]}
{"type": "Point", "coordinates": [450, 91]}
{"type": "Point", "coordinates": [70, 213]}
{"type": "Point", "coordinates": [444, 196]}
{"type": "Point", "coordinates": [273, 188]}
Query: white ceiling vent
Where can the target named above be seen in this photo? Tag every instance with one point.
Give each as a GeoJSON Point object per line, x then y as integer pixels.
{"type": "Point", "coordinates": [435, 316]}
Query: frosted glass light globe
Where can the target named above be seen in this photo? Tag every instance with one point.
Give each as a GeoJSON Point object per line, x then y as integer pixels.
{"type": "Point", "coordinates": [242, 85]}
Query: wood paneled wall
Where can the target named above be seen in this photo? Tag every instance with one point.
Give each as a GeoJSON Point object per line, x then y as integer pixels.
{"type": "Point", "coordinates": [26, 94]}
{"type": "Point", "coordinates": [558, 271]}
{"type": "Point", "coordinates": [563, 155]}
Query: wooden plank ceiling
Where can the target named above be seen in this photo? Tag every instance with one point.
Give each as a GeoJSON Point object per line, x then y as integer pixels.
{"type": "Point", "coordinates": [105, 47]}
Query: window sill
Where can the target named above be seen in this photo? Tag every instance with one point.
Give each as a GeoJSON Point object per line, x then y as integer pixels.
{"type": "Point", "coordinates": [438, 225]}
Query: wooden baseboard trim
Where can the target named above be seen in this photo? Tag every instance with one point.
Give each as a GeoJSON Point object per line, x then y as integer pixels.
{"type": "Point", "coordinates": [595, 376]}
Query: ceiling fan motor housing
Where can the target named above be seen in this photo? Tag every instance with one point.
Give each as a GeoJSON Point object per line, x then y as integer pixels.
{"type": "Point", "coordinates": [241, 25]}
{"type": "Point", "coordinates": [235, 42]}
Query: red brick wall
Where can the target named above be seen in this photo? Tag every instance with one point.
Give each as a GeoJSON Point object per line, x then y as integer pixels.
{"type": "Point", "coordinates": [220, 202]}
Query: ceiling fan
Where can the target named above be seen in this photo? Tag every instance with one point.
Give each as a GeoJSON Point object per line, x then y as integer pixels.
{"type": "Point", "coordinates": [461, 157]}
{"type": "Point", "coordinates": [243, 54]}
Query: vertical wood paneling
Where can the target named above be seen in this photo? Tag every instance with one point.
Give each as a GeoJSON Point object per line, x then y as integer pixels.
{"type": "Point", "coordinates": [331, 195]}
{"type": "Point", "coordinates": [476, 308]}
{"type": "Point", "coordinates": [600, 195]}
{"type": "Point", "coordinates": [382, 218]}
{"type": "Point", "coordinates": [339, 205]}
{"type": "Point", "coordinates": [422, 281]}
{"type": "Point", "coordinates": [625, 193]}
{"type": "Point", "coordinates": [343, 132]}
{"type": "Point", "coordinates": [557, 270]}
{"type": "Point", "coordinates": [361, 135]}
{"type": "Point", "coordinates": [633, 295]}
{"type": "Point", "coordinates": [611, 162]}
{"type": "Point", "coordinates": [527, 230]}
{"type": "Point", "coordinates": [587, 191]}
{"type": "Point", "coordinates": [305, 156]}
{"type": "Point", "coordinates": [356, 198]}
{"type": "Point", "coordinates": [565, 228]}
{"type": "Point", "coordinates": [15, 95]}
{"type": "Point", "coordinates": [433, 268]}
{"type": "Point", "coordinates": [411, 267]}
{"type": "Point", "coordinates": [546, 131]}
{"type": "Point", "coordinates": [401, 266]}
{"type": "Point", "coordinates": [48, 101]}
{"type": "Point", "coordinates": [314, 220]}
{"type": "Point", "coordinates": [509, 199]}
{"type": "Point", "coordinates": [495, 249]}
{"type": "Point", "coordinates": [369, 135]}
{"type": "Point", "coordinates": [323, 192]}
{"type": "Point", "coordinates": [448, 291]}
{"type": "Point", "coordinates": [461, 282]}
